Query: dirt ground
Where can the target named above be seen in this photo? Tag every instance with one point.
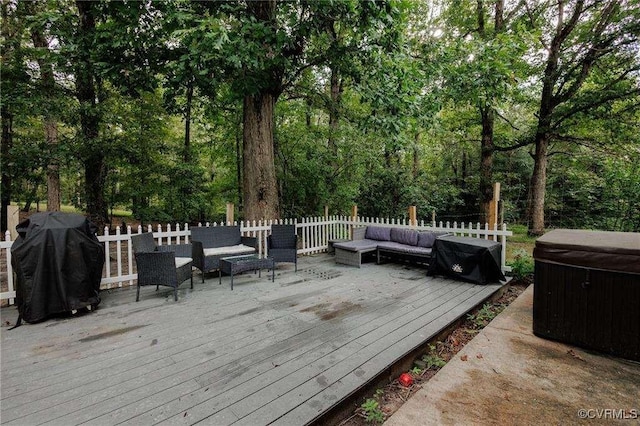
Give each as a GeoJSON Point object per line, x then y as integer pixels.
{"type": "Point", "coordinates": [378, 406]}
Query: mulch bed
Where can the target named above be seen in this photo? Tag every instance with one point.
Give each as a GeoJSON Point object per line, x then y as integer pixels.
{"type": "Point", "coordinates": [378, 406]}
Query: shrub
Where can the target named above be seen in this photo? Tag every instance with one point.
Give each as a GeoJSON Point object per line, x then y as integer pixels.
{"type": "Point", "coordinates": [522, 265]}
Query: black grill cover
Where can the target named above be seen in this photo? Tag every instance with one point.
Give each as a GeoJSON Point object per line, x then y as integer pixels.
{"type": "Point", "coordinates": [58, 262]}
{"type": "Point", "coordinates": [468, 259]}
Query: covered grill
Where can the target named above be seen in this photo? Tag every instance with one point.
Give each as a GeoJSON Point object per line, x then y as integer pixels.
{"type": "Point", "coordinates": [58, 262]}
{"type": "Point", "coordinates": [468, 259]}
{"type": "Point", "coordinates": [587, 290]}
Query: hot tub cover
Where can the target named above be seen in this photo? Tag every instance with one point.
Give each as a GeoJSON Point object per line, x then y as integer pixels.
{"type": "Point", "coordinates": [609, 251]}
{"type": "Point", "coordinates": [58, 261]}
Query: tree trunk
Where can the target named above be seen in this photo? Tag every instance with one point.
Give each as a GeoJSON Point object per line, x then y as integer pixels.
{"type": "Point", "coordinates": [7, 125]}
{"type": "Point", "coordinates": [187, 123]}
{"type": "Point", "coordinates": [95, 167]}
{"type": "Point", "coordinates": [239, 164]}
{"type": "Point", "coordinates": [334, 117]}
{"type": "Point", "coordinates": [50, 124]}
{"type": "Point", "coordinates": [5, 183]}
{"type": "Point", "coordinates": [538, 187]}
{"type": "Point", "coordinates": [53, 168]}
{"type": "Point", "coordinates": [259, 180]}
{"type": "Point", "coordinates": [415, 170]}
{"type": "Point", "coordinates": [31, 198]}
{"type": "Point", "coordinates": [486, 161]}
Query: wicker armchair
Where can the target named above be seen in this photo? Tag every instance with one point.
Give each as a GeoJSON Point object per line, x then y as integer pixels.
{"type": "Point", "coordinates": [161, 265]}
{"type": "Point", "coordinates": [282, 244]}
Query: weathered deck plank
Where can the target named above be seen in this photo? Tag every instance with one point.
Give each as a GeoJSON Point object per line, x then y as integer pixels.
{"type": "Point", "coordinates": [283, 351]}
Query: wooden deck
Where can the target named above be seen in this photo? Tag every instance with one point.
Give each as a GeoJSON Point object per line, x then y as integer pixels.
{"type": "Point", "coordinates": [281, 353]}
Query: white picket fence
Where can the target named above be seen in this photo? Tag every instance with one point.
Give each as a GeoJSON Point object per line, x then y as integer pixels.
{"type": "Point", "coordinates": [314, 234]}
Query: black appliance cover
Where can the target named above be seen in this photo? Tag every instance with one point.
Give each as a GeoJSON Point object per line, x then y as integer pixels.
{"type": "Point", "coordinates": [58, 262]}
{"type": "Point", "coordinates": [468, 259]}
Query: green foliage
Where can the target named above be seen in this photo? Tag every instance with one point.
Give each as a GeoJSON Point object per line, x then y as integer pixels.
{"type": "Point", "coordinates": [432, 359]}
{"type": "Point", "coordinates": [372, 411]}
{"type": "Point", "coordinates": [399, 128]}
{"type": "Point", "coordinates": [484, 315]}
{"type": "Point", "coordinates": [521, 265]}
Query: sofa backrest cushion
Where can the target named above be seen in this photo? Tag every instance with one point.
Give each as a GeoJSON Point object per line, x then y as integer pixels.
{"type": "Point", "coordinates": [217, 236]}
{"type": "Point", "coordinates": [379, 233]}
{"type": "Point", "coordinates": [427, 238]}
{"type": "Point", "coordinates": [407, 237]}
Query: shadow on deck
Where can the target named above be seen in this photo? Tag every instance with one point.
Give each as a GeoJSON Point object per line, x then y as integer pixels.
{"type": "Point", "coordinates": [283, 352]}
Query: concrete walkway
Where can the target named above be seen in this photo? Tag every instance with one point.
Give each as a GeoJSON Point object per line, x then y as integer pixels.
{"type": "Point", "coordinates": [506, 375]}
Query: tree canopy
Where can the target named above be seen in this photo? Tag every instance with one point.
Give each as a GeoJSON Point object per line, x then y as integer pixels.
{"type": "Point", "coordinates": [172, 109]}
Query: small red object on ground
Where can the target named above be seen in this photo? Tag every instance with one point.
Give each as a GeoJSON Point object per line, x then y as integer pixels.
{"type": "Point", "coordinates": [405, 379]}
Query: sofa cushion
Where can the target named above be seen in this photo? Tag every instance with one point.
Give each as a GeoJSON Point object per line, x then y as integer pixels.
{"type": "Point", "coordinates": [427, 238]}
{"type": "Point", "coordinates": [404, 236]}
{"type": "Point", "coordinates": [358, 245]}
{"type": "Point", "coordinates": [216, 236]}
{"type": "Point", "coordinates": [181, 261]}
{"type": "Point", "coordinates": [391, 246]}
{"type": "Point", "coordinates": [229, 250]}
{"type": "Point", "coordinates": [378, 233]}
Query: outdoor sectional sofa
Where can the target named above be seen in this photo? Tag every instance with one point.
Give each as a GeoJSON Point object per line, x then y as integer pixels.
{"type": "Point", "coordinates": [394, 243]}
{"type": "Point", "coordinates": [212, 243]}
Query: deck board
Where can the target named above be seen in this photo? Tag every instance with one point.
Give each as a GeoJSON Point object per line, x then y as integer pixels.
{"type": "Point", "coordinates": [282, 352]}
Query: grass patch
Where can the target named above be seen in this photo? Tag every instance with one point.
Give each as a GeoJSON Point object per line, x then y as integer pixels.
{"type": "Point", "coordinates": [518, 243]}
{"type": "Point", "coordinates": [116, 212]}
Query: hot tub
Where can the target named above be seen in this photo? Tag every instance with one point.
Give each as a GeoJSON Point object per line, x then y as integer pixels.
{"type": "Point", "coordinates": [587, 290]}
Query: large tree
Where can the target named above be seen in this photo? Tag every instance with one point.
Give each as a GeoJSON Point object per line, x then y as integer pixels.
{"type": "Point", "coordinates": [259, 185]}
{"type": "Point", "coordinates": [481, 60]}
{"type": "Point", "coordinates": [263, 48]}
{"type": "Point", "coordinates": [586, 34]}
{"type": "Point", "coordinates": [41, 42]}
{"type": "Point", "coordinates": [87, 83]}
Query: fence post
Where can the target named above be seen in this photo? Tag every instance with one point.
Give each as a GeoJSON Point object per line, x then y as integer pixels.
{"type": "Point", "coordinates": [493, 209]}
{"type": "Point", "coordinates": [230, 210]}
{"type": "Point", "coordinates": [13, 218]}
{"type": "Point", "coordinates": [413, 218]}
{"type": "Point", "coordinates": [354, 217]}
{"type": "Point", "coordinates": [10, 286]}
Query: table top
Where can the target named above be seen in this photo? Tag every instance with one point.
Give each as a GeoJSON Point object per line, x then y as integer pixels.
{"type": "Point", "coordinates": [248, 258]}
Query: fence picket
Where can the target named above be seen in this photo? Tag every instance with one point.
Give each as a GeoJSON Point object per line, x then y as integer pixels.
{"type": "Point", "coordinates": [130, 253]}
{"type": "Point", "coordinates": [10, 294]}
{"type": "Point", "coordinates": [315, 233]}
{"type": "Point", "coordinates": [118, 255]}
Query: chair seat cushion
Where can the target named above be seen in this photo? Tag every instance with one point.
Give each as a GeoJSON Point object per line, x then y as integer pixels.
{"type": "Point", "coordinates": [230, 250]}
{"type": "Point", "coordinates": [394, 247]}
{"type": "Point", "coordinates": [358, 245]}
{"type": "Point", "coordinates": [181, 261]}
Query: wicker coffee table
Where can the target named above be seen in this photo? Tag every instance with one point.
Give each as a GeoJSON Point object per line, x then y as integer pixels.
{"type": "Point", "coordinates": [236, 264]}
